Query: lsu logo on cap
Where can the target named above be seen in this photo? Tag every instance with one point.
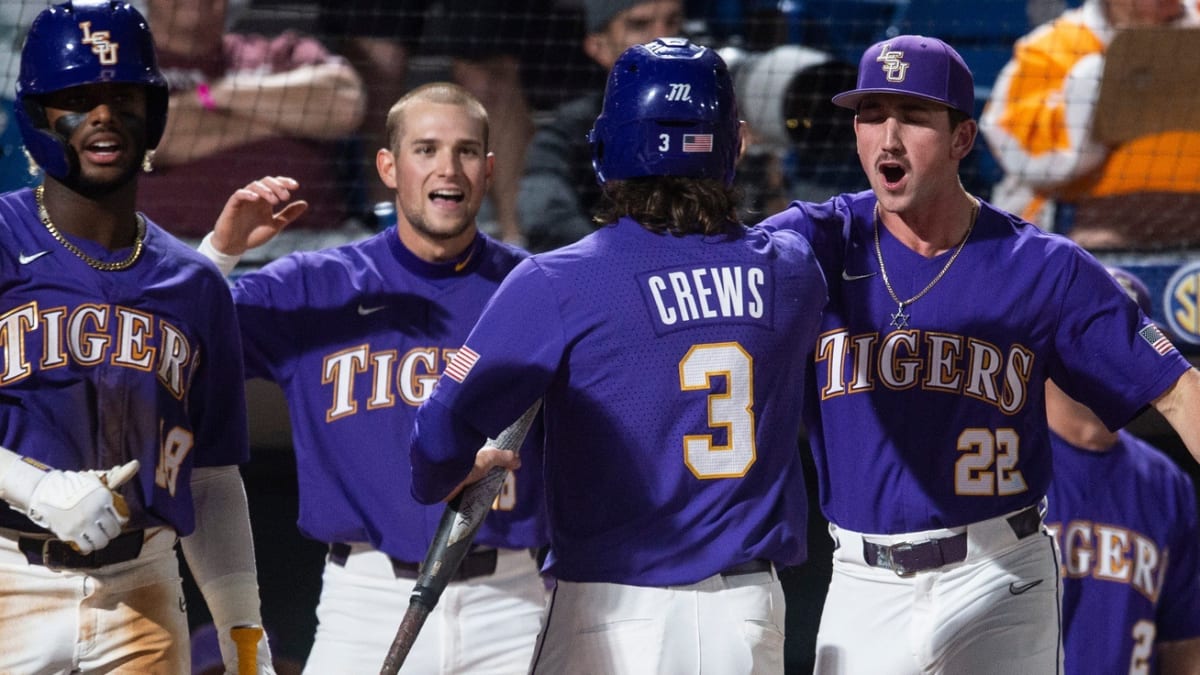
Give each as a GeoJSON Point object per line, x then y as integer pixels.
{"type": "Point", "coordinates": [894, 69]}
{"type": "Point", "coordinates": [1181, 302]}
{"type": "Point", "coordinates": [101, 47]}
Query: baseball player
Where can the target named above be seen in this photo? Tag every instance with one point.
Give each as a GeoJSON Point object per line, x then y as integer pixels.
{"type": "Point", "coordinates": [123, 415]}
{"type": "Point", "coordinates": [357, 336]}
{"type": "Point", "coordinates": [1124, 515]}
{"type": "Point", "coordinates": [665, 348]}
{"type": "Point", "coordinates": [926, 415]}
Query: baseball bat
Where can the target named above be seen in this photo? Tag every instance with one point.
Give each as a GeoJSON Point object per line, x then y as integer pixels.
{"type": "Point", "coordinates": [246, 638]}
{"type": "Point", "coordinates": [456, 530]}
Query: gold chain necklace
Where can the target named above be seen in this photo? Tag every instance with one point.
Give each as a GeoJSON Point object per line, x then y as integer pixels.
{"type": "Point", "coordinates": [900, 319]}
{"type": "Point", "coordinates": [92, 262]}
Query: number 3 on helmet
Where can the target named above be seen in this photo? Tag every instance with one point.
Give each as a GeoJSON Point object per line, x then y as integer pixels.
{"type": "Point", "coordinates": [669, 110]}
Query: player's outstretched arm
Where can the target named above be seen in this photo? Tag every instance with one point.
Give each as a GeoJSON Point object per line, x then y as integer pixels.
{"type": "Point", "coordinates": [79, 507]}
{"type": "Point", "coordinates": [249, 219]}
{"type": "Point", "coordinates": [1180, 405]}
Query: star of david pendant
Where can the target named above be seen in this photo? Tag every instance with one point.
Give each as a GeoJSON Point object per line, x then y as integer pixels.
{"type": "Point", "coordinates": [900, 319]}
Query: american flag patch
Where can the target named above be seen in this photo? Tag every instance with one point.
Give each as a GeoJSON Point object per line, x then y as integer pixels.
{"type": "Point", "coordinates": [697, 142]}
{"type": "Point", "coordinates": [1154, 337]}
{"type": "Point", "coordinates": [464, 359]}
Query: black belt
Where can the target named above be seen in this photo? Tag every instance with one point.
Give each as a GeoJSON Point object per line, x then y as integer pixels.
{"type": "Point", "coordinates": [751, 567]}
{"type": "Point", "coordinates": [476, 563]}
{"type": "Point", "coordinates": [907, 558]}
{"type": "Point", "coordinates": [58, 554]}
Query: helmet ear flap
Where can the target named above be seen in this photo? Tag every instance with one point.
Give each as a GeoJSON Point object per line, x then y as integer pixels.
{"type": "Point", "coordinates": [596, 141]}
{"type": "Point", "coordinates": [53, 154]}
{"type": "Point", "coordinates": [156, 115]}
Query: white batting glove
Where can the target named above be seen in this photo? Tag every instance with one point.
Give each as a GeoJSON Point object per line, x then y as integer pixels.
{"type": "Point", "coordinates": [80, 507]}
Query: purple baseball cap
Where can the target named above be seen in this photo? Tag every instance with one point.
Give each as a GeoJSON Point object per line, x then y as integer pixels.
{"type": "Point", "coordinates": [1137, 291]}
{"type": "Point", "coordinates": [913, 65]}
{"type": "Point", "coordinates": [1134, 288]}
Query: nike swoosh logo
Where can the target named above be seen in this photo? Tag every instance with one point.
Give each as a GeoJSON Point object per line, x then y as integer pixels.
{"type": "Point", "coordinates": [26, 259]}
{"type": "Point", "coordinates": [364, 311]}
{"type": "Point", "coordinates": [855, 277]}
{"type": "Point", "coordinates": [1019, 588]}
{"type": "Point", "coordinates": [458, 267]}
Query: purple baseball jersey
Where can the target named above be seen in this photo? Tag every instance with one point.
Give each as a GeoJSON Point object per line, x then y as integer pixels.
{"type": "Point", "coordinates": [1125, 520]}
{"type": "Point", "coordinates": [357, 336]}
{"type": "Point", "coordinates": [940, 421]}
{"type": "Point", "coordinates": [101, 367]}
{"type": "Point", "coordinates": [671, 370]}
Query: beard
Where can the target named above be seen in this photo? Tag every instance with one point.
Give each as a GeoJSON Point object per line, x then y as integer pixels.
{"type": "Point", "coordinates": [419, 223]}
{"type": "Point", "coordinates": [95, 189]}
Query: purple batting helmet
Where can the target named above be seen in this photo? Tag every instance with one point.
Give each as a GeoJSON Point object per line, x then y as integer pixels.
{"type": "Point", "coordinates": [78, 43]}
{"type": "Point", "coordinates": [669, 110]}
{"type": "Point", "coordinates": [1139, 293]}
{"type": "Point", "coordinates": [913, 65]}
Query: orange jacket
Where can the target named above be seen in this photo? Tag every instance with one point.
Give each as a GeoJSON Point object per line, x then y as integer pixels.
{"type": "Point", "coordinates": [1038, 123]}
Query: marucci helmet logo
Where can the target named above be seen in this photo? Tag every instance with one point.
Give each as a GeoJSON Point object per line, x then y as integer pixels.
{"type": "Point", "coordinates": [101, 46]}
{"type": "Point", "coordinates": [894, 69]}
{"type": "Point", "coordinates": [679, 92]}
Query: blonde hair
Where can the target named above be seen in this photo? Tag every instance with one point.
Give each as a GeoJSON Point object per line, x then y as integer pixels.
{"type": "Point", "coordinates": [446, 93]}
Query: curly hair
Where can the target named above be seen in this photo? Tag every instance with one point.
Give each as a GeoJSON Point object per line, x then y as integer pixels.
{"type": "Point", "coordinates": [672, 204]}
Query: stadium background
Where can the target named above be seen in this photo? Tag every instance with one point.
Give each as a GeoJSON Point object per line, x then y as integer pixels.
{"type": "Point", "coordinates": [788, 58]}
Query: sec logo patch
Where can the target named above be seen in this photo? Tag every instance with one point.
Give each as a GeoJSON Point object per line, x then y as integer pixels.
{"type": "Point", "coordinates": [1181, 303]}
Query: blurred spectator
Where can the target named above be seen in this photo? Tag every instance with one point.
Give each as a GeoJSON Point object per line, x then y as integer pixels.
{"type": "Point", "coordinates": [1040, 11]}
{"type": "Point", "coordinates": [243, 106]}
{"type": "Point", "coordinates": [1143, 193]}
{"type": "Point", "coordinates": [15, 18]}
{"type": "Point", "coordinates": [486, 44]}
{"type": "Point", "coordinates": [558, 190]}
{"type": "Point", "coordinates": [1125, 518]}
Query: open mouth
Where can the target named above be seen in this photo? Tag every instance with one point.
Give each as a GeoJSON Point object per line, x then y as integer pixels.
{"type": "Point", "coordinates": [103, 151]}
{"type": "Point", "coordinates": [454, 196]}
{"type": "Point", "coordinates": [892, 173]}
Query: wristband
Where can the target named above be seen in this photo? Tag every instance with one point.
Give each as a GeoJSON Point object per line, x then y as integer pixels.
{"type": "Point", "coordinates": [205, 95]}
{"type": "Point", "coordinates": [224, 262]}
{"type": "Point", "coordinates": [19, 477]}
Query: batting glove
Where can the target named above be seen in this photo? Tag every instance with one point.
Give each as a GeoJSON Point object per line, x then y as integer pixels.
{"type": "Point", "coordinates": [79, 507]}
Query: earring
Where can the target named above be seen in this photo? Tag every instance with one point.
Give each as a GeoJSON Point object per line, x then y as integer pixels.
{"type": "Point", "coordinates": [148, 161]}
{"type": "Point", "coordinates": [34, 169]}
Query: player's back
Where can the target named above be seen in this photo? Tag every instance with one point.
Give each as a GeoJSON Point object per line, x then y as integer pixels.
{"type": "Point", "coordinates": [680, 394]}
{"type": "Point", "coordinates": [1125, 520]}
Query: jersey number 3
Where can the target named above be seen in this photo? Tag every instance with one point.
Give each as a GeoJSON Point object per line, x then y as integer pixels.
{"type": "Point", "coordinates": [732, 410]}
